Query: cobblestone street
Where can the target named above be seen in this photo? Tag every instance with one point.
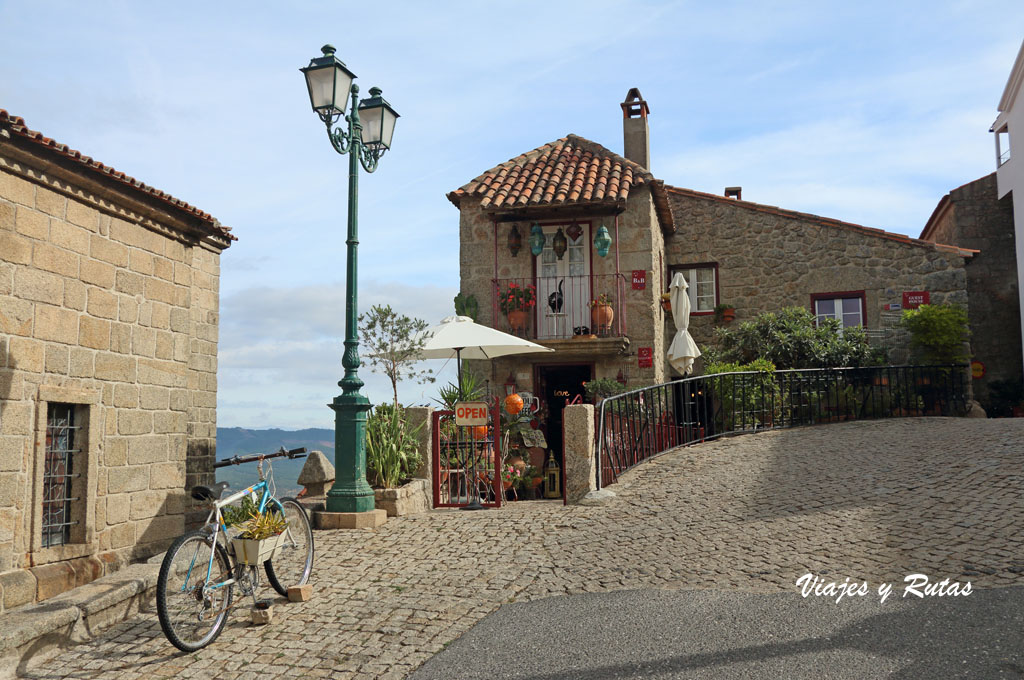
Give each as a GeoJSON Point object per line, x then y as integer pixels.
{"type": "Point", "coordinates": [869, 500]}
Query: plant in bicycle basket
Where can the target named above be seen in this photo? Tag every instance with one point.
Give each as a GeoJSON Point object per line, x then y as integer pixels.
{"type": "Point", "coordinates": [262, 525]}
{"type": "Point", "coordinates": [518, 298]}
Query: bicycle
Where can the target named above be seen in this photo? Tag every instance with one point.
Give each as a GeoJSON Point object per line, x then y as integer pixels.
{"type": "Point", "coordinates": [202, 567]}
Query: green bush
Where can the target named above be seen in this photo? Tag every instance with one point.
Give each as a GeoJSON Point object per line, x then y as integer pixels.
{"type": "Point", "coordinates": [602, 388]}
{"type": "Point", "coordinates": [790, 338]}
{"type": "Point", "coordinates": [392, 449]}
{"type": "Point", "coordinates": [938, 333]}
{"type": "Point", "coordinates": [744, 400]}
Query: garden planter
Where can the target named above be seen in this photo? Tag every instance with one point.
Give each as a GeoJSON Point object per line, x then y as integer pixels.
{"type": "Point", "coordinates": [408, 499]}
{"type": "Point", "coordinates": [253, 552]}
{"type": "Point", "coordinates": [601, 317]}
{"type": "Point", "coordinates": [517, 320]}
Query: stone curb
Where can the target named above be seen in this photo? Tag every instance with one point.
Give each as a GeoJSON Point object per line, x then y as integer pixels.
{"type": "Point", "coordinates": [36, 632]}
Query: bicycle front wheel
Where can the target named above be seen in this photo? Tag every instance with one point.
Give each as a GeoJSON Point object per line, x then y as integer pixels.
{"type": "Point", "coordinates": [293, 563]}
{"type": "Point", "coordinates": [191, 601]}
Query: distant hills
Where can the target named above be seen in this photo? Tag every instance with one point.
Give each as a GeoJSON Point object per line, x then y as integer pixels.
{"type": "Point", "coordinates": [241, 441]}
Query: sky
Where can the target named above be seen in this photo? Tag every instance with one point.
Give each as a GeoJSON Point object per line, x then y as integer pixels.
{"type": "Point", "coordinates": [867, 112]}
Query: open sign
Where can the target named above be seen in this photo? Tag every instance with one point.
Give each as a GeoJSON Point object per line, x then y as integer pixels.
{"type": "Point", "coordinates": [471, 413]}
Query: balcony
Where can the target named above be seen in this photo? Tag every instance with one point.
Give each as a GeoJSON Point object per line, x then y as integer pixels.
{"type": "Point", "coordinates": [561, 311]}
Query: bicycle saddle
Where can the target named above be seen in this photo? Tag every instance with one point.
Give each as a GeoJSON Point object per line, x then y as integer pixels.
{"type": "Point", "coordinates": [208, 493]}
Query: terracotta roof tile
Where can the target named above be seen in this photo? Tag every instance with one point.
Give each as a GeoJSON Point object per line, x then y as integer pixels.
{"type": "Point", "coordinates": [16, 125]}
{"type": "Point", "coordinates": [569, 170]}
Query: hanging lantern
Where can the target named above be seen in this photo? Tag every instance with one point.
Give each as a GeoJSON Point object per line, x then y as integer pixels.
{"type": "Point", "coordinates": [574, 230]}
{"type": "Point", "coordinates": [552, 486]}
{"type": "Point", "coordinates": [559, 243]}
{"type": "Point", "coordinates": [515, 240]}
{"type": "Point", "coordinates": [510, 384]}
{"type": "Point", "coordinates": [536, 239]}
{"type": "Point", "coordinates": [602, 241]}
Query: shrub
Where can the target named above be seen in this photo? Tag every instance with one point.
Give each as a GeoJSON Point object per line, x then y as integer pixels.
{"type": "Point", "coordinates": [392, 449]}
{"type": "Point", "coordinates": [938, 333]}
{"type": "Point", "coordinates": [790, 338]}
{"type": "Point", "coordinates": [602, 388]}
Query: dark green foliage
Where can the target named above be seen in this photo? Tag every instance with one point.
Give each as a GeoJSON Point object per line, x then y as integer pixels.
{"type": "Point", "coordinates": [602, 388]}
{"type": "Point", "coordinates": [790, 338]}
{"type": "Point", "coordinates": [391, 346]}
{"type": "Point", "coordinates": [1003, 396]}
{"type": "Point", "coordinates": [472, 389]}
{"type": "Point", "coordinates": [466, 305]}
{"type": "Point", "coordinates": [938, 333]}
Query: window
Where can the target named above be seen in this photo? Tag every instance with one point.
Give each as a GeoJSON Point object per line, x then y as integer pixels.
{"type": "Point", "coordinates": [702, 280]}
{"type": "Point", "coordinates": [847, 308]}
{"type": "Point", "coordinates": [59, 474]}
{"type": "Point", "coordinates": [1002, 146]}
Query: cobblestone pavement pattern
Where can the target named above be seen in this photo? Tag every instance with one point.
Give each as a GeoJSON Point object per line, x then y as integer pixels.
{"type": "Point", "coordinates": [871, 501]}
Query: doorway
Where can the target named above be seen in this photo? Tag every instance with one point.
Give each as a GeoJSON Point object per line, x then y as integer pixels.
{"type": "Point", "coordinates": [559, 385]}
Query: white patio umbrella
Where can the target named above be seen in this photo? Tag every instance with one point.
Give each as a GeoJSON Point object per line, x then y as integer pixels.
{"type": "Point", "coordinates": [683, 350]}
{"type": "Point", "coordinates": [461, 338]}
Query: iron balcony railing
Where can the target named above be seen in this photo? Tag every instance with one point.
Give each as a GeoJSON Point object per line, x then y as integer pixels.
{"type": "Point", "coordinates": [637, 425]}
{"type": "Point", "coordinates": [562, 306]}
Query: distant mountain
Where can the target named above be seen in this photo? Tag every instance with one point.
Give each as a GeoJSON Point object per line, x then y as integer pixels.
{"type": "Point", "coordinates": [242, 441]}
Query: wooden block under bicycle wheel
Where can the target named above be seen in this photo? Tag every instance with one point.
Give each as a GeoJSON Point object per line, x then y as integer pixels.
{"type": "Point", "coordinates": [300, 593]}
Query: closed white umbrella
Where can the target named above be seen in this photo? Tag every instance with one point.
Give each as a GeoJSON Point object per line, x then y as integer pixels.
{"type": "Point", "coordinates": [683, 350]}
{"type": "Point", "coordinates": [460, 338]}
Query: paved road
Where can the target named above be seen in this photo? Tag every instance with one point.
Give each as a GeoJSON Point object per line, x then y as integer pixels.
{"type": "Point", "coordinates": [871, 501]}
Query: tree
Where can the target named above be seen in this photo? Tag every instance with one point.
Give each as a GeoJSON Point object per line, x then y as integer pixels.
{"type": "Point", "coordinates": [393, 348]}
{"type": "Point", "coordinates": [938, 333]}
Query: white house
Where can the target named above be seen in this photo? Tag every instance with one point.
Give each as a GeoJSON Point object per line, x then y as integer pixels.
{"type": "Point", "coordinates": [1009, 130]}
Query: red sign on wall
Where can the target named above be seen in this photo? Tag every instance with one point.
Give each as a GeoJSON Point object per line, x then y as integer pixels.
{"type": "Point", "coordinates": [912, 299]}
{"type": "Point", "coordinates": [639, 279]}
{"type": "Point", "coordinates": [644, 357]}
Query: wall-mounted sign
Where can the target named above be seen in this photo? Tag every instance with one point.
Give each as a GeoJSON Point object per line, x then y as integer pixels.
{"type": "Point", "coordinates": [893, 307]}
{"type": "Point", "coordinates": [912, 299]}
{"type": "Point", "coordinates": [471, 413]}
{"type": "Point", "coordinates": [639, 279]}
{"type": "Point", "coordinates": [977, 369]}
{"type": "Point", "coordinates": [644, 357]}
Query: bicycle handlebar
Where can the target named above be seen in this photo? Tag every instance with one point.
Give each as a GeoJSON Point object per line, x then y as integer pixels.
{"type": "Point", "coordinates": [281, 453]}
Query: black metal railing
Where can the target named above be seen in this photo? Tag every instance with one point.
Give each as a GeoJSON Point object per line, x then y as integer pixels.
{"type": "Point", "coordinates": [637, 425]}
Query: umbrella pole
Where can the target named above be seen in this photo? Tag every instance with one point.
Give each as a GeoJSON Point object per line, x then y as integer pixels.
{"type": "Point", "coordinates": [475, 504]}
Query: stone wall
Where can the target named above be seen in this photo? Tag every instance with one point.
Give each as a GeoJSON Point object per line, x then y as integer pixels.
{"type": "Point", "coordinates": [108, 301]}
{"type": "Point", "coordinates": [770, 258]}
{"type": "Point", "coordinates": [973, 217]}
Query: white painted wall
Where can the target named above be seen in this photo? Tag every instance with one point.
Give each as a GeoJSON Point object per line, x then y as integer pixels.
{"type": "Point", "coordinates": [1010, 175]}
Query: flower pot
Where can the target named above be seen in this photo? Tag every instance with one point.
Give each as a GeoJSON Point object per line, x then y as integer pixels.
{"type": "Point", "coordinates": [601, 317]}
{"type": "Point", "coordinates": [253, 552]}
{"type": "Point", "coordinates": [727, 315]}
{"type": "Point", "coordinates": [517, 320]}
{"type": "Point", "coordinates": [666, 305]}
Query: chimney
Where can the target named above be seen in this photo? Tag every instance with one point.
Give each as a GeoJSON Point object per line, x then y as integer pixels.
{"type": "Point", "coordinates": [734, 192]}
{"type": "Point", "coordinates": [635, 133]}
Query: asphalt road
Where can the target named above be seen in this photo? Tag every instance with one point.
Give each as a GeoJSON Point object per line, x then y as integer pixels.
{"type": "Point", "coordinates": [710, 634]}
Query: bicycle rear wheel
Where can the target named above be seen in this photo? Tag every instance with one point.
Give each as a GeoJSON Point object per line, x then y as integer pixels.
{"type": "Point", "coordinates": [293, 563]}
{"type": "Point", "coordinates": [192, 612]}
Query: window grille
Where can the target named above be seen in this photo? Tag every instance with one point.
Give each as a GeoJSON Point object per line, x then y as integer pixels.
{"type": "Point", "coordinates": [58, 474]}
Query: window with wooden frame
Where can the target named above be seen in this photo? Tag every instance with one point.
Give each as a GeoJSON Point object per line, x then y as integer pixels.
{"type": "Point", "coordinates": [846, 307]}
{"type": "Point", "coordinates": [702, 285]}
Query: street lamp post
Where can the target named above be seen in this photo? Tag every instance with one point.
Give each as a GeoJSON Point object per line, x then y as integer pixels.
{"type": "Point", "coordinates": [371, 124]}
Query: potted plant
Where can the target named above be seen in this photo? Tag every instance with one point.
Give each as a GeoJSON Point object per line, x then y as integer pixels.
{"type": "Point", "coordinates": [666, 301]}
{"type": "Point", "coordinates": [262, 534]}
{"type": "Point", "coordinates": [515, 302]}
{"type": "Point", "coordinates": [724, 312]}
{"type": "Point", "coordinates": [602, 314]}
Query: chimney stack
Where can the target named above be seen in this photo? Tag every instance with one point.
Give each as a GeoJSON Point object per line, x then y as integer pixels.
{"type": "Point", "coordinates": [734, 192]}
{"type": "Point", "coordinates": [635, 133]}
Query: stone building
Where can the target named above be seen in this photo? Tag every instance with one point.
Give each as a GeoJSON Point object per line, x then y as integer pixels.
{"type": "Point", "coordinates": [108, 364]}
{"type": "Point", "coordinates": [972, 216]}
{"type": "Point", "coordinates": [754, 257]}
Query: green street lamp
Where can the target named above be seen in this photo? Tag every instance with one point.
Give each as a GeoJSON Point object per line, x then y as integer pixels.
{"type": "Point", "coordinates": [371, 124]}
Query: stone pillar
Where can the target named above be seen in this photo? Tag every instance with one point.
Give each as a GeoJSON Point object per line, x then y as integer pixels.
{"type": "Point", "coordinates": [421, 416]}
{"type": "Point", "coordinates": [578, 452]}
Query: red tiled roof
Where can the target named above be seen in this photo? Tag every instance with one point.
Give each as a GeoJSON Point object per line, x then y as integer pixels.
{"type": "Point", "coordinates": [17, 126]}
{"type": "Point", "coordinates": [568, 172]}
{"type": "Point", "coordinates": [827, 222]}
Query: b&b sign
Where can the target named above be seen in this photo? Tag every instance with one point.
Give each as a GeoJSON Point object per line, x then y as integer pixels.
{"type": "Point", "coordinates": [471, 413]}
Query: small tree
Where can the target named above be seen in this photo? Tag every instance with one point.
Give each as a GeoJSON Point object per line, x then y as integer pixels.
{"type": "Point", "coordinates": [938, 333]}
{"type": "Point", "coordinates": [393, 348]}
